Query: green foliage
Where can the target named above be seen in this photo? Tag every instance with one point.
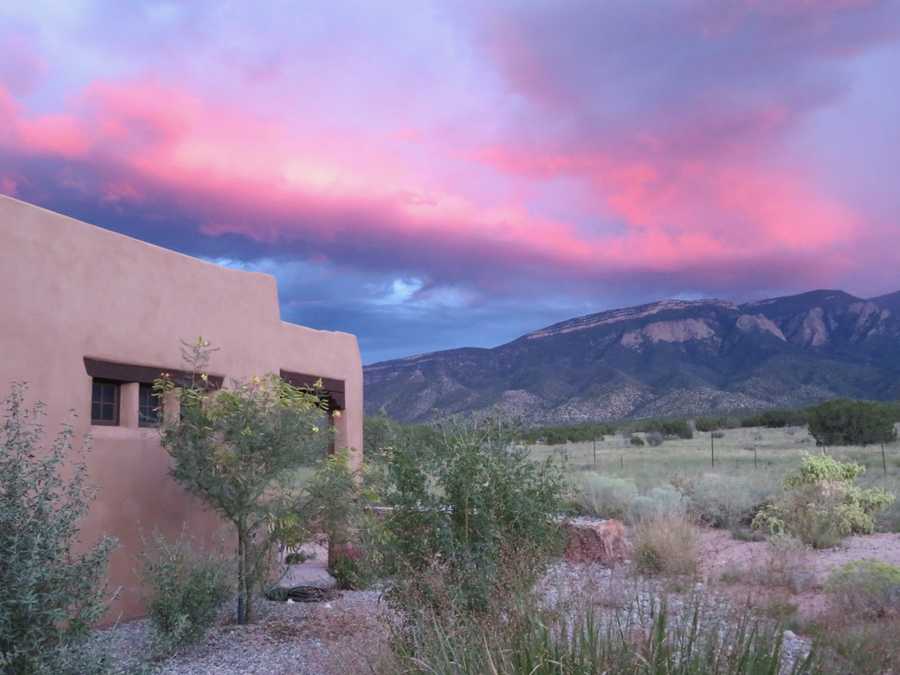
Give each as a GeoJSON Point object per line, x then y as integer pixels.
{"type": "Point", "coordinates": [236, 449]}
{"type": "Point", "coordinates": [706, 424]}
{"type": "Point", "coordinates": [844, 422]}
{"type": "Point", "coordinates": [332, 504]}
{"type": "Point", "coordinates": [51, 595]}
{"type": "Point", "coordinates": [869, 589]}
{"type": "Point", "coordinates": [559, 435]}
{"type": "Point", "coordinates": [186, 588]}
{"type": "Point", "coordinates": [460, 508]}
{"type": "Point", "coordinates": [776, 419]}
{"type": "Point", "coordinates": [636, 441]}
{"type": "Point", "coordinates": [382, 434]}
{"type": "Point", "coordinates": [821, 503]}
{"type": "Point", "coordinates": [633, 640]}
{"type": "Point", "coordinates": [668, 428]}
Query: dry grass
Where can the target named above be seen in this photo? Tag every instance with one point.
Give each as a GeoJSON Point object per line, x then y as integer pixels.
{"type": "Point", "coordinates": [667, 545]}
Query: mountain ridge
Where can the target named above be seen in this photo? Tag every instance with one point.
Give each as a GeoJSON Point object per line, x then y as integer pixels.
{"type": "Point", "coordinates": [668, 357]}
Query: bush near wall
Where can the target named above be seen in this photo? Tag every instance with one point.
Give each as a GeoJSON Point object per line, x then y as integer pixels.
{"type": "Point", "coordinates": [49, 595]}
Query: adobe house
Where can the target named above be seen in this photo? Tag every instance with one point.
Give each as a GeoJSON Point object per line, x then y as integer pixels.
{"type": "Point", "coordinates": [89, 317]}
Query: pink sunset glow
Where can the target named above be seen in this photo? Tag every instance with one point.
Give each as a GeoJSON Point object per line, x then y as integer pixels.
{"type": "Point", "coordinates": [521, 163]}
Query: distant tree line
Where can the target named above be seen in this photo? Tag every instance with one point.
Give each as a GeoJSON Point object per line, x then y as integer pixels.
{"type": "Point", "coordinates": [838, 422]}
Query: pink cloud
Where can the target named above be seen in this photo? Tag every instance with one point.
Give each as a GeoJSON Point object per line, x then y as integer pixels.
{"type": "Point", "coordinates": [674, 147]}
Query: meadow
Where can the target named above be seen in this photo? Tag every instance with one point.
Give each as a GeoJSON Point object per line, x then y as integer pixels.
{"type": "Point", "coordinates": [743, 465]}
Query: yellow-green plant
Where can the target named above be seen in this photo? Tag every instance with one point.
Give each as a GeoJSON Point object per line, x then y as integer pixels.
{"type": "Point", "coordinates": [822, 504]}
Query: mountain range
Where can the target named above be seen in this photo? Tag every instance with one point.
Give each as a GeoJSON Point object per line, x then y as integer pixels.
{"type": "Point", "coordinates": [673, 357]}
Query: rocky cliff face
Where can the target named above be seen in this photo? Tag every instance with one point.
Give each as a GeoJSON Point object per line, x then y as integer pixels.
{"type": "Point", "coordinates": [668, 358]}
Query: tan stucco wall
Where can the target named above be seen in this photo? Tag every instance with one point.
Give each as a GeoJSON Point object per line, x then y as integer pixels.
{"type": "Point", "coordinates": [71, 290]}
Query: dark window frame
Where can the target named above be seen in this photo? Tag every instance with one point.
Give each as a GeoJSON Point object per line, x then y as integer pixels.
{"type": "Point", "coordinates": [117, 403]}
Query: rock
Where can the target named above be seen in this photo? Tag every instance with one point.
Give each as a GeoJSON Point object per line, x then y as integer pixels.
{"type": "Point", "coordinates": [595, 541]}
{"type": "Point", "coordinates": [309, 582]}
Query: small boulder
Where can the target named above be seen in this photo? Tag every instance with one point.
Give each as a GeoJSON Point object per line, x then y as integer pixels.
{"type": "Point", "coordinates": [309, 582]}
{"type": "Point", "coordinates": [595, 541]}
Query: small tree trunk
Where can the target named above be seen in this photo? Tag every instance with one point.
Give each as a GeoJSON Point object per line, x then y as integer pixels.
{"type": "Point", "coordinates": [243, 599]}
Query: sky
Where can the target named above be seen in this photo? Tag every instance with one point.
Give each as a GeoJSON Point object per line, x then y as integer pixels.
{"type": "Point", "coordinates": [431, 175]}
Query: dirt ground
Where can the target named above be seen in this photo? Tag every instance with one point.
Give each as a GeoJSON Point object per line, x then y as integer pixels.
{"type": "Point", "coordinates": [751, 569]}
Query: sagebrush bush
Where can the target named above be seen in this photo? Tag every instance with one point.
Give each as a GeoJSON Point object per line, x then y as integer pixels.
{"type": "Point", "coordinates": [50, 595]}
{"type": "Point", "coordinates": [727, 502]}
{"type": "Point", "coordinates": [868, 589]}
{"type": "Point", "coordinates": [186, 587]}
{"type": "Point", "coordinates": [606, 496]}
{"type": "Point", "coordinates": [822, 505]}
{"type": "Point", "coordinates": [659, 502]}
{"type": "Point", "coordinates": [667, 545]}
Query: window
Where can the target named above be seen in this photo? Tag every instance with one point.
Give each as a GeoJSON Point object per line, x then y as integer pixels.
{"type": "Point", "coordinates": [148, 406]}
{"type": "Point", "coordinates": [105, 402]}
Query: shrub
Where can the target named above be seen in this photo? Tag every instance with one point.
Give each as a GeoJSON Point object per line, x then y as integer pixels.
{"type": "Point", "coordinates": [471, 518]}
{"type": "Point", "coordinates": [606, 496]}
{"type": "Point", "coordinates": [844, 422]}
{"type": "Point", "coordinates": [661, 501]}
{"type": "Point", "coordinates": [869, 589]}
{"type": "Point", "coordinates": [667, 545]}
{"type": "Point", "coordinates": [821, 504]}
{"type": "Point", "coordinates": [51, 596]}
{"type": "Point", "coordinates": [787, 564]}
{"type": "Point", "coordinates": [186, 589]}
{"type": "Point", "coordinates": [728, 502]}
{"type": "Point", "coordinates": [655, 439]}
{"type": "Point", "coordinates": [636, 441]}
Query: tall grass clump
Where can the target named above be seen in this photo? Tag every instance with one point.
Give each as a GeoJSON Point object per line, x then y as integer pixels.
{"type": "Point", "coordinates": [667, 545]}
{"type": "Point", "coordinates": [50, 593]}
{"type": "Point", "coordinates": [636, 639]}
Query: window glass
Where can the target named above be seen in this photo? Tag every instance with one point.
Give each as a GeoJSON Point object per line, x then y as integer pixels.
{"type": "Point", "coordinates": [105, 402]}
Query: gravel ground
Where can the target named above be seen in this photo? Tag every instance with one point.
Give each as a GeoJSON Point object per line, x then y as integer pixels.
{"type": "Point", "coordinates": [345, 636]}
{"type": "Point", "coordinates": [330, 638]}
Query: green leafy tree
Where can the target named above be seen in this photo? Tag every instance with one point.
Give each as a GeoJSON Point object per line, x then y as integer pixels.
{"type": "Point", "coordinates": [51, 595]}
{"type": "Point", "coordinates": [469, 507]}
{"type": "Point", "coordinates": [844, 422]}
{"type": "Point", "coordinates": [238, 449]}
